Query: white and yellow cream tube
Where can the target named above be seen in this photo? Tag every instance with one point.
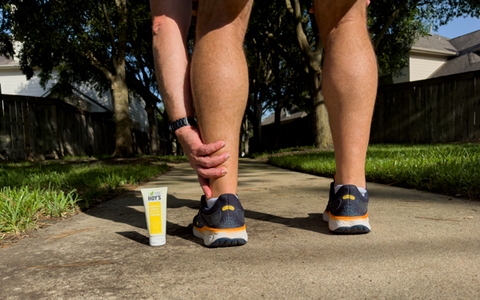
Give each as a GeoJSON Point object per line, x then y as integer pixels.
{"type": "Point", "coordinates": [155, 202]}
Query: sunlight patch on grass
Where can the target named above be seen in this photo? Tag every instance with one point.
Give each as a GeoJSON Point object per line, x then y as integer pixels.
{"type": "Point", "coordinates": [447, 169]}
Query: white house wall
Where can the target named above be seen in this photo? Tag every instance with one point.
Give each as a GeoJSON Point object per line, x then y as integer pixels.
{"type": "Point", "coordinates": [14, 82]}
{"type": "Point", "coordinates": [422, 66]}
{"type": "Point", "coordinates": [138, 113]}
{"type": "Point", "coordinates": [105, 99]}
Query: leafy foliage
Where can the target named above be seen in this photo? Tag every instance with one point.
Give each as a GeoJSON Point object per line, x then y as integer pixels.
{"type": "Point", "coordinates": [275, 72]}
{"type": "Point", "coordinates": [103, 44]}
{"type": "Point", "coordinates": [82, 41]}
{"type": "Point", "coordinates": [396, 25]}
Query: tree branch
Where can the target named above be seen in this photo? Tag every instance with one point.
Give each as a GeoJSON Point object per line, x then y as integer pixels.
{"type": "Point", "coordinates": [386, 26]}
{"type": "Point", "coordinates": [296, 13]}
{"type": "Point", "coordinates": [122, 35]}
{"type": "Point", "coordinates": [112, 37]}
{"type": "Point", "coordinates": [80, 33]}
{"type": "Point", "coordinates": [93, 60]}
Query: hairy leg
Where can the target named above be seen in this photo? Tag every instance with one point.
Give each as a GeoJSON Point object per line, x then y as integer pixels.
{"type": "Point", "coordinates": [219, 79]}
{"type": "Point", "coordinates": [171, 21]}
{"type": "Point", "coordinates": [349, 83]}
{"type": "Point", "coordinates": [170, 27]}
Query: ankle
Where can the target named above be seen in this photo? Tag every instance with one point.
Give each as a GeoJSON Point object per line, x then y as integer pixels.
{"type": "Point", "coordinates": [358, 181]}
{"type": "Point", "coordinates": [361, 190]}
{"type": "Point", "coordinates": [211, 202]}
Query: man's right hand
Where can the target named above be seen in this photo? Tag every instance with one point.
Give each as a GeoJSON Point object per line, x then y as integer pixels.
{"type": "Point", "coordinates": [198, 154]}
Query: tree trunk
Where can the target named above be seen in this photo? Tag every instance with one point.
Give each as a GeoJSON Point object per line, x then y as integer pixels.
{"type": "Point", "coordinates": [166, 134]}
{"type": "Point", "coordinates": [321, 126]}
{"type": "Point", "coordinates": [313, 68]}
{"type": "Point", "coordinates": [247, 138]}
{"type": "Point", "coordinates": [152, 121]}
{"type": "Point", "coordinates": [258, 126]}
{"type": "Point", "coordinates": [278, 115]}
{"type": "Point", "coordinates": [123, 138]}
{"type": "Point", "coordinates": [242, 137]}
{"type": "Point", "coordinates": [278, 99]}
{"type": "Point", "coordinates": [256, 120]}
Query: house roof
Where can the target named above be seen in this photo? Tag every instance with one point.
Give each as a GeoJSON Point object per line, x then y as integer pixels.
{"type": "Point", "coordinates": [467, 58]}
{"type": "Point", "coordinates": [4, 62]}
{"type": "Point", "coordinates": [435, 43]}
{"type": "Point", "coordinates": [285, 116]}
{"type": "Point", "coordinates": [467, 43]}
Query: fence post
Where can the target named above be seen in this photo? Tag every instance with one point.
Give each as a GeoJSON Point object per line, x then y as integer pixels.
{"type": "Point", "coordinates": [26, 129]}
{"type": "Point", "coordinates": [476, 108]}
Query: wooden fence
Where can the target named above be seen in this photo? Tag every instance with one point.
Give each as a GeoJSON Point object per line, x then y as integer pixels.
{"type": "Point", "coordinates": [438, 110]}
{"type": "Point", "coordinates": [44, 128]}
{"type": "Point", "coordinates": [295, 133]}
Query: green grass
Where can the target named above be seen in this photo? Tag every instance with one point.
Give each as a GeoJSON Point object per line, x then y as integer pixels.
{"type": "Point", "coordinates": [447, 169]}
{"type": "Point", "coordinates": [279, 151]}
{"type": "Point", "coordinates": [21, 207]}
{"type": "Point", "coordinates": [32, 190]}
{"type": "Point", "coordinates": [172, 158]}
{"type": "Point", "coordinates": [102, 156]}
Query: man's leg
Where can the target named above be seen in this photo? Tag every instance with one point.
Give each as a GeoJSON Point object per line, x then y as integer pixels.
{"type": "Point", "coordinates": [171, 21]}
{"type": "Point", "coordinates": [170, 26]}
{"type": "Point", "coordinates": [219, 79]}
{"type": "Point", "coordinates": [349, 85]}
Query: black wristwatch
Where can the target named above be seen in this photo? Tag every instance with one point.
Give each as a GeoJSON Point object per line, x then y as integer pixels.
{"type": "Point", "coordinates": [189, 121]}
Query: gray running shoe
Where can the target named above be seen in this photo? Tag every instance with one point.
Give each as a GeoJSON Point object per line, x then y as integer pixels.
{"type": "Point", "coordinates": [223, 224]}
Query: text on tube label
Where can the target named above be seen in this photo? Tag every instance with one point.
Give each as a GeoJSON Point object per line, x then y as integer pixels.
{"type": "Point", "coordinates": [155, 211]}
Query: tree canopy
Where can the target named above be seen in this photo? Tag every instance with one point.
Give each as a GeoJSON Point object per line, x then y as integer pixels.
{"type": "Point", "coordinates": [396, 25]}
{"type": "Point", "coordinates": [107, 44]}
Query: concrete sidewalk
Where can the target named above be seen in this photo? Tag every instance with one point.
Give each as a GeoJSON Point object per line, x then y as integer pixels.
{"type": "Point", "coordinates": [422, 245]}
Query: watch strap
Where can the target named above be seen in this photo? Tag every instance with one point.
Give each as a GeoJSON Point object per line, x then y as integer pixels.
{"type": "Point", "coordinates": [188, 121]}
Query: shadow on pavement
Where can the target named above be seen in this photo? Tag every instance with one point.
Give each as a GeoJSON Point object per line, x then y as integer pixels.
{"type": "Point", "coordinates": [124, 213]}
